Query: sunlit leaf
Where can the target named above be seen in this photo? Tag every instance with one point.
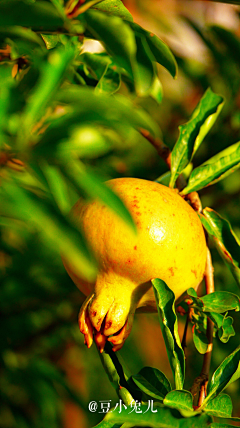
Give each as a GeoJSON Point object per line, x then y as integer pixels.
{"type": "Point", "coordinates": [224, 238]}
{"type": "Point", "coordinates": [218, 301]}
{"type": "Point", "coordinates": [165, 304]}
{"type": "Point", "coordinates": [220, 406]}
{"type": "Point", "coordinates": [193, 132]}
{"type": "Point", "coordinates": [224, 375]}
{"type": "Point", "coordinates": [114, 8]}
{"type": "Point", "coordinates": [180, 400]}
{"type": "Point", "coordinates": [210, 173]}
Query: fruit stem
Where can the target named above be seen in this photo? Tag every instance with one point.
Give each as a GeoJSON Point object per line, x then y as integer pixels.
{"type": "Point", "coordinates": [200, 383]}
{"type": "Point", "coordinates": [116, 375]}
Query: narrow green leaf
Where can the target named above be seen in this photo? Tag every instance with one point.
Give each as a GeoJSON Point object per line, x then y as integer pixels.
{"type": "Point", "coordinates": [116, 36]}
{"type": "Point", "coordinates": [55, 229]}
{"type": "Point", "coordinates": [114, 8]}
{"type": "Point", "coordinates": [90, 183]}
{"type": "Point", "coordinates": [165, 304]}
{"type": "Point", "coordinates": [153, 382]}
{"type": "Point", "coordinates": [51, 76]}
{"type": "Point", "coordinates": [224, 375]}
{"type": "Point", "coordinates": [200, 341]}
{"type": "Point", "coordinates": [194, 131]}
{"type": "Point", "coordinates": [145, 70]}
{"type": "Point", "coordinates": [19, 33]}
{"type": "Point", "coordinates": [156, 91]}
{"type": "Point", "coordinates": [220, 406]}
{"type": "Point", "coordinates": [40, 15]}
{"type": "Point", "coordinates": [57, 186]}
{"type": "Point", "coordinates": [180, 400]}
{"type": "Point", "coordinates": [210, 173]}
{"type": "Point", "coordinates": [115, 109]}
{"type": "Point", "coordinates": [159, 49]}
{"type": "Point", "coordinates": [224, 239]}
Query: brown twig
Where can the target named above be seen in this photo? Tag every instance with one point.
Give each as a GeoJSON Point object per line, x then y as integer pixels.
{"type": "Point", "coordinates": [200, 383]}
{"type": "Point", "coordinates": [163, 151]}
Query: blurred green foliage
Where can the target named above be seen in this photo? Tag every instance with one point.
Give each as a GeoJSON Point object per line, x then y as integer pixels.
{"type": "Point", "coordinates": [62, 133]}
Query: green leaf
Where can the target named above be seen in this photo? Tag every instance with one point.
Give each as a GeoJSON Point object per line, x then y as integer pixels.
{"type": "Point", "coordinates": [20, 33]}
{"type": "Point", "coordinates": [114, 8]}
{"type": "Point", "coordinates": [145, 70]}
{"type": "Point", "coordinates": [116, 36]}
{"type": "Point", "coordinates": [162, 418]}
{"type": "Point", "coordinates": [159, 49]}
{"type": "Point", "coordinates": [165, 304]}
{"type": "Point", "coordinates": [96, 63]}
{"type": "Point", "coordinates": [57, 186]}
{"type": "Point", "coordinates": [218, 301]}
{"type": "Point", "coordinates": [220, 406]}
{"type": "Point", "coordinates": [91, 184]}
{"type": "Point", "coordinates": [51, 41]}
{"type": "Point", "coordinates": [56, 230]}
{"type": "Point", "coordinates": [180, 400]}
{"type": "Point", "coordinates": [40, 15]}
{"type": "Point", "coordinates": [210, 173]}
{"type": "Point", "coordinates": [153, 382]}
{"type": "Point", "coordinates": [105, 424]}
{"type": "Point", "coordinates": [224, 239]}
{"type": "Point", "coordinates": [114, 110]}
{"type": "Point", "coordinates": [51, 77]}
{"type": "Point", "coordinates": [109, 83]}
{"type": "Point", "coordinates": [200, 341]}
{"type": "Point", "coordinates": [193, 132]}
{"type": "Point", "coordinates": [227, 330]}
{"type": "Point", "coordinates": [224, 375]}
{"type": "Point", "coordinates": [156, 91]}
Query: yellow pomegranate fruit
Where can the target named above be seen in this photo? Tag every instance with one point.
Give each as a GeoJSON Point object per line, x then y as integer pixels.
{"type": "Point", "coordinates": [170, 245]}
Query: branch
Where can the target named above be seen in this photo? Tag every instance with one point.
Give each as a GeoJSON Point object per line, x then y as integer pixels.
{"type": "Point", "coordinates": [200, 384]}
{"type": "Point", "coordinates": [163, 151]}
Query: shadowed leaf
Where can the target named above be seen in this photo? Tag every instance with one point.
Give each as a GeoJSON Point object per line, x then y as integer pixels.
{"type": "Point", "coordinates": [165, 304]}
{"type": "Point", "coordinates": [193, 132]}
{"type": "Point", "coordinates": [153, 382]}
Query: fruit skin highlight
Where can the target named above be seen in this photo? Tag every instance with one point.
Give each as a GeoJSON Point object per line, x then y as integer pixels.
{"type": "Point", "coordinates": [170, 245]}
